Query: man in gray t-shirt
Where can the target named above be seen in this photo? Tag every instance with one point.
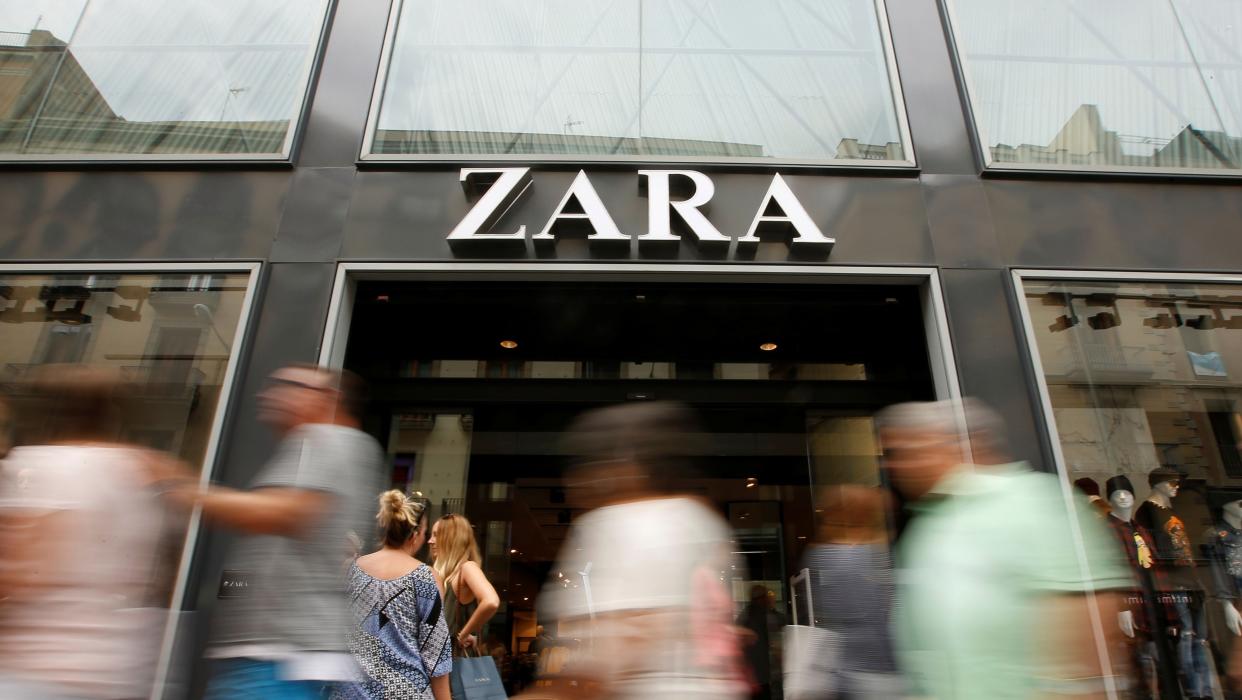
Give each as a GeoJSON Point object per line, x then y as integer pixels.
{"type": "Point", "coordinates": [281, 624]}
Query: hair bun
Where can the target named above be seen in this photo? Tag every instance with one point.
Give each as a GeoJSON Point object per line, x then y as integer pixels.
{"type": "Point", "coordinates": [392, 508]}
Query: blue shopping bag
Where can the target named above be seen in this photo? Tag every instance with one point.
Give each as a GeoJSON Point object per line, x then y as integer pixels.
{"type": "Point", "coordinates": [476, 678]}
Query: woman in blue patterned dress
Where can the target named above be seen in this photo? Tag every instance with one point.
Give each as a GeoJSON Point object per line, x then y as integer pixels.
{"type": "Point", "coordinates": [400, 638]}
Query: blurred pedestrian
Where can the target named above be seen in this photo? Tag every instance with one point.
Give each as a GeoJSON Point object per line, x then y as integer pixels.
{"type": "Point", "coordinates": [763, 632]}
{"type": "Point", "coordinates": [80, 537]}
{"type": "Point", "coordinates": [995, 600]}
{"type": "Point", "coordinates": [400, 638]}
{"type": "Point", "coordinates": [643, 579]}
{"type": "Point", "coordinates": [851, 569]}
{"type": "Point", "coordinates": [282, 634]}
{"type": "Point", "coordinates": [6, 428]}
{"type": "Point", "coordinates": [470, 600]}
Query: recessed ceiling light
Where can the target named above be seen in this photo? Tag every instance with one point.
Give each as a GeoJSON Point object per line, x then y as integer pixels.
{"type": "Point", "coordinates": [508, 344]}
{"type": "Point", "coordinates": [768, 347]}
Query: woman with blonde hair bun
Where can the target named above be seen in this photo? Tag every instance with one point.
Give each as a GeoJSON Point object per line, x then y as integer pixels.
{"type": "Point", "coordinates": [400, 637]}
{"type": "Point", "coordinates": [470, 600]}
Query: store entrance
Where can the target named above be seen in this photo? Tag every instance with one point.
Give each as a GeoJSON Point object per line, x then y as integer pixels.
{"type": "Point", "coordinates": [473, 383]}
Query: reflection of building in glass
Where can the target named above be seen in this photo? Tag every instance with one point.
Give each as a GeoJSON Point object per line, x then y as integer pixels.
{"type": "Point", "coordinates": [852, 149]}
{"type": "Point", "coordinates": [50, 104]}
{"type": "Point", "coordinates": [491, 142]}
{"type": "Point", "coordinates": [483, 142]}
{"type": "Point", "coordinates": [159, 334]}
{"type": "Point", "coordinates": [1084, 140]}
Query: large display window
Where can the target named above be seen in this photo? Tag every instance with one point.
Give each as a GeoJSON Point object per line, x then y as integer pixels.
{"type": "Point", "coordinates": [1140, 380]}
{"type": "Point", "coordinates": [738, 80]}
{"type": "Point", "coordinates": [154, 80]}
{"type": "Point", "coordinates": [173, 335]}
{"type": "Point", "coordinates": [1108, 85]}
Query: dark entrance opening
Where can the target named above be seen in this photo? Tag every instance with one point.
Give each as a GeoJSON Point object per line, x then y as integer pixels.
{"type": "Point", "coordinates": [473, 383]}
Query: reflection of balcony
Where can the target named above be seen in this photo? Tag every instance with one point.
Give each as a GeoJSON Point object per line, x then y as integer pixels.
{"type": "Point", "coordinates": [1104, 362]}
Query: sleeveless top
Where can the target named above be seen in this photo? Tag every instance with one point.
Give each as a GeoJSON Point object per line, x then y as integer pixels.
{"type": "Point", "coordinates": [456, 614]}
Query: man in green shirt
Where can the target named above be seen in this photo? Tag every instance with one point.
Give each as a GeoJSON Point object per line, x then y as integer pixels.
{"type": "Point", "coordinates": [1005, 589]}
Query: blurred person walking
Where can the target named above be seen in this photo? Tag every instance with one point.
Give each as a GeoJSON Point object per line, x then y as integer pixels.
{"type": "Point", "coordinates": [642, 578]}
{"type": "Point", "coordinates": [995, 601]}
{"type": "Point", "coordinates": [851, 567]}
{"type": "Point", "coordinates": [284, 634]}
{"type": "Point", "coordinates": [470, 600]}
{"type": "Point", "coordinates": [80, 567]}
{"type": "Point", "coordinates": [761, 639]}
{"type": "Point", "coordinates": [400, 638]}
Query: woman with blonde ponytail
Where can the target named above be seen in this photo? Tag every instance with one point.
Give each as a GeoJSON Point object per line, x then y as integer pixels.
{"type": "Point", "coordinates": [400, 637]}
{"type": "Point", "coordinates": [470, 600]}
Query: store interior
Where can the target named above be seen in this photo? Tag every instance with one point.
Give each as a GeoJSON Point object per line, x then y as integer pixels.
{"type": "Point", "coordinates": [473, 383]}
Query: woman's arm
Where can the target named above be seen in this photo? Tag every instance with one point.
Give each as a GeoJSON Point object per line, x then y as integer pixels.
{"type": "Point", "coordinates": [473, 578]}
{"type": "Point", "coordinates": [440, 688]}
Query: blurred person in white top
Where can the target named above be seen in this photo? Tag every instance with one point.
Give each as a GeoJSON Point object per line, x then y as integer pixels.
{"type": "Point", "coordinates": [80, 571]}
{"type": "Point", "coordinates": [643, 578]}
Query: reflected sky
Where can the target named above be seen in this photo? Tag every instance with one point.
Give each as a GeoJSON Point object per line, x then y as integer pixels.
{"type": "Point", "coordinates": [195, 60]}
{"type": "Point", "coordinates": [1034, 63]}
{"type": "Point", "coordinates": [792, 78]}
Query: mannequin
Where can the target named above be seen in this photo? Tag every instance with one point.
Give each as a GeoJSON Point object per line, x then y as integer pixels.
{"type": "Point", "coordinates": [1178, 588]}
{"type": "Point", "coordinates": [1224, 543]}
{"type": "Point", "coordinates": [1142, 620]}
{"type": "Point", "coordinates": [1121, 500]}
{"type": "Point", "coordinates": [1088, 487]}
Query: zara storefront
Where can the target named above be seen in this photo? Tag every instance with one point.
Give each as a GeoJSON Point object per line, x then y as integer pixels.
{"type": "Point", "coordinates": [787, 214]}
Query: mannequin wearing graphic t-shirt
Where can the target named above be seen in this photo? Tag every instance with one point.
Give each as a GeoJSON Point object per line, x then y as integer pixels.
{"type": "Point", "coordinates": [1180, 587]}
{"type": "Point", "coordinates": [1144, 620]}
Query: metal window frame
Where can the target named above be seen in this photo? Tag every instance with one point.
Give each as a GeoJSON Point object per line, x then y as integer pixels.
{"type": "Point", "coordinates": [941, 358]}
{"type": "Point", "coordinates": [252, 271]}
{"type": "Point", "coordinates": [895, 93]}
{"type": "Point", "coordinates": [297, 123]}
{"type": "Point", "coordinates": [984, 152]}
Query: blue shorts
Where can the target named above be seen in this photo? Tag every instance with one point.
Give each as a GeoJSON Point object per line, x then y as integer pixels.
{"type": "Point", "coordinates": [254, 678]}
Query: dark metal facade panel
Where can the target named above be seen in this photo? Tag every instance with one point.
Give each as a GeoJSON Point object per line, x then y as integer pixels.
{"type": "Point", "coordinates": [342, 99]}
{"type": "Point", "coordinates": [941, 133]}
{"type": "Point", "coordinates": [962, 230]}
{"type": "Point", "coordinates": [1191, 227]}
{"type": "Point", "coordinates": [310, 230]}
{"type": "Point", "coordinates": [989, 363]}
{"type": "Point", "coordinates": [139, 215]}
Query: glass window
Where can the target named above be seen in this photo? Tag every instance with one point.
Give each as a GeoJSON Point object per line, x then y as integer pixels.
{"type": "Point", "coordinates": [1107, 84]}
{"type": "Point", "coordinates": [130, 78]}
{"type": "Point", "coordinates": [732, 79]}
{"type": "Point", "coordinates": [169, 336]}
{"type": "Point", "coordinates": [1145, 385]}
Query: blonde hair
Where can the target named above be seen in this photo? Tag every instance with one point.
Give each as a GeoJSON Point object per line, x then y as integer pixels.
{"type": "Point", "coordinates": [456, 544]}
{"type": "Point", "coordinates": [399, 517]}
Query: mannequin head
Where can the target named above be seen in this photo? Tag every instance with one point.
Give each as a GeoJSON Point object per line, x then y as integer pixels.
{"type": "Point", "coordinates": [1121, 500]}
{"type": "Point", "coordinates": [1164, 483]}
{"type": "Point", "coordinates": [1233, 509]}
{"type": "Point", "coordinates": [1120, 496]}
{"type": "Point", "coordinates": [1167, 488]}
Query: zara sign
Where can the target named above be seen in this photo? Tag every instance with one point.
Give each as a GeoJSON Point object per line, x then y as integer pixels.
{"type": "Point", "coordinates": [679, 193]}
